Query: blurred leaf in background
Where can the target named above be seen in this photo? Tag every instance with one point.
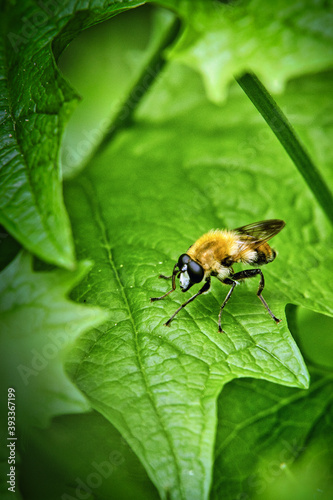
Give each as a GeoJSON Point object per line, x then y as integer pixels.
{"type": "Point", "coordinates": [138, 193]}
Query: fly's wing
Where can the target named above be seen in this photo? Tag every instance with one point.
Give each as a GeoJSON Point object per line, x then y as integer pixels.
{"type": "Point", "coordinates": [260, 232]}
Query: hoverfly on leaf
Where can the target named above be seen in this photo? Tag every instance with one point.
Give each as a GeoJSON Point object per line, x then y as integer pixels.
{"type": "Point", "coordinates": [215, 253]}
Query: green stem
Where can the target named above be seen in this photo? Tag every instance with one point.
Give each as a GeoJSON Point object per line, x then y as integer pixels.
{"type": "Point", "coordinates": [147, 77]}
{"type": "Point", "coordinates": [283, 130]}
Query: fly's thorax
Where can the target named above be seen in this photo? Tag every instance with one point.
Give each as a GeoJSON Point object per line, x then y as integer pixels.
{"type": "Point", "coordinates": [213, 248]}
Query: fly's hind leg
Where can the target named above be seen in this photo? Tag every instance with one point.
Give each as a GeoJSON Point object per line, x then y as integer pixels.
{"type": "Point", "coordinates": [250, 273]}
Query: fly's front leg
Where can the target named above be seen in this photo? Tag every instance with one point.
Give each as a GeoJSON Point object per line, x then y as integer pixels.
{"type": "Point", "coordinates": [173, 277]}
{"type": "Point", "coordinates": [250, 273]}
{"type": "Point", "coordinates": [204, 289]}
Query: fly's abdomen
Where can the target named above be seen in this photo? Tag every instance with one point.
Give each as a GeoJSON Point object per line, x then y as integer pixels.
{"type": "Point", "coordinates": [263, 255]}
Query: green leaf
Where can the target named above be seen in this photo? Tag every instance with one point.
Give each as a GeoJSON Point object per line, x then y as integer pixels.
{"type": "Point", "coordinates": [183, 167]}
{"type": "Point", "coordinates": [267, 431]}
{"type": "Point", "coordinates": [275, 40]}
{"type": "Point", "coordinates": [151, 31]}
{"type": "Point", "coordinates": [134, 211]}
{"type": "Point", "coordinates": [38, 324]}
{"type": "Point", "coordinates": [35, 105]}
{"type": "Point", "coordinates": [274, 442]}
{"type": "Point", "coordinates": [105, 463]}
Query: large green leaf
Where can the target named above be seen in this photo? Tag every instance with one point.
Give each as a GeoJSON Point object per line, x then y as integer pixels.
{"type": "Point", "coordinates": [184, 167]}
{"type": "Point", "coordinates": [35, 105]}
{"type": "Point", "coordinates": [139, 206]}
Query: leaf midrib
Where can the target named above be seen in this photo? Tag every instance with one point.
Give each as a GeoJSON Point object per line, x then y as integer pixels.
{"type": "Point", "coordinates": [87, 185]}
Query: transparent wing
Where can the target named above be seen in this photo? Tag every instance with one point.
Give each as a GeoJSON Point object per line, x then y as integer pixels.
{"type": "Point", "coordinates": [260, 232]}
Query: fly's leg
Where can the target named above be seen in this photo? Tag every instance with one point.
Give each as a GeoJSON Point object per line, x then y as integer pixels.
{"type": "Point", "coordinates": [227, 281]}
{"type": "Point", "coordinates": [204, 289]}
{"type": "Point", "coordinates": [250, 273]}
{"type": "Point", "coordinates": [173, 277]}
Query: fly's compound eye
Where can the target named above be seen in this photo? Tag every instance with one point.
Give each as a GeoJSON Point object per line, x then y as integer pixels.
{"type": "Point", "coordinates": [195, 272]}
{"type": "Point", "coordinates": [183, 260]}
